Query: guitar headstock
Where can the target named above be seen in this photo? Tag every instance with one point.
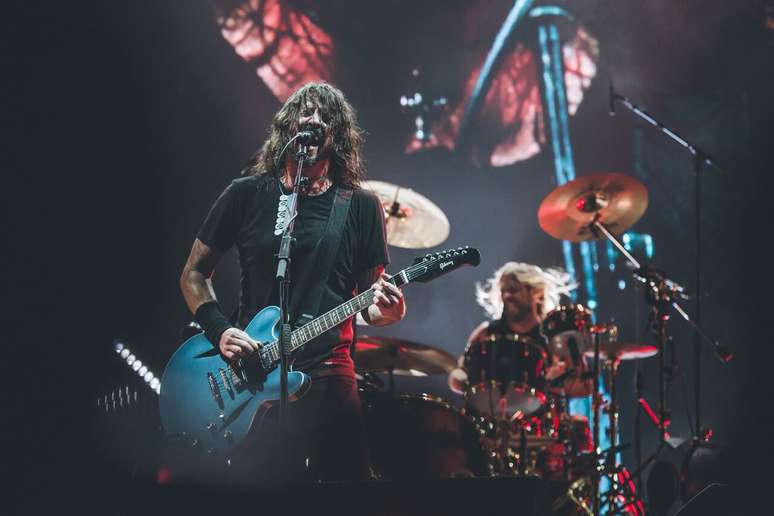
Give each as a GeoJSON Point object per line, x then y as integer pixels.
{"type": "Point", "coordinates": [432, 265]}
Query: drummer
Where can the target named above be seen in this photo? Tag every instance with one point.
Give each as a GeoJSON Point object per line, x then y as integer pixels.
{"type": "Point", "coordinates": [517, 298]}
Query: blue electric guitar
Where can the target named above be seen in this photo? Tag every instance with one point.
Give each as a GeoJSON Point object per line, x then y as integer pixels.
{"type": "Point", "coordinates": [210, 403]}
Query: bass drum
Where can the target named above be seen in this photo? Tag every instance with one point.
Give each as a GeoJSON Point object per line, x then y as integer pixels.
{"type": "Point", "coordinates": [421, 437]}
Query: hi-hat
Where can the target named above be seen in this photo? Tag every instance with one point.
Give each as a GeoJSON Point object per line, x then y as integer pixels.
{"type": "Point", "coordinates": [623, 350]}
{"type": "Point", "coordinates": [413, 221]}
{"type": "Point", "coordinates": [403, 357]}
{"type": "Point", "coordinates": [615, 200]}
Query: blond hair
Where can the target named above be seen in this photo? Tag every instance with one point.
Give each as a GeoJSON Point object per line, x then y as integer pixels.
{"type": "Point", "coordinates": [553, 282]}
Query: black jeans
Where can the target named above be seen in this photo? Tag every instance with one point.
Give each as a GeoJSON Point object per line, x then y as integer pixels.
{"type": "Point", "coordinates": [325, 439]}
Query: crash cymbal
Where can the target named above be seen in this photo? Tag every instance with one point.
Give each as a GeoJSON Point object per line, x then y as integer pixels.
{"type": "Point", "coordinates": [623, 350]}
{"type": "Point", "coordinates": [413, 221]}
{"type": "Point", "coordinates": [380, 354]}
{"type": "Point", "coordinates": [617, 200]}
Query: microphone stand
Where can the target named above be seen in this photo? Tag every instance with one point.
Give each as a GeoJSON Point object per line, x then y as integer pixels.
{"type": "Point", "coordinates": [699, 159]}
{"type": "Point", "coordinates": [283, 277]}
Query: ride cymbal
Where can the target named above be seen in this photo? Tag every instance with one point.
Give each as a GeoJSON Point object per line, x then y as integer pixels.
{"type": "Point", "coordinates": [412, 220]}
{"type": "Point", "coordinates": [615, 200]}
{"type": "Point", "coordinates": [404, 358]}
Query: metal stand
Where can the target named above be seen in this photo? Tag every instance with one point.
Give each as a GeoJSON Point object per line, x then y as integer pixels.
{"type": "Point", "coordinates": [596, 407]}
{"type": "Point", "coordinates": [699, 158]}
{"type": "Point", "coordinates": [283, 277]}
{"type": "Point", "coordinates": [662, 293]}
{"type": "Point", "coordinates": [664, 289]}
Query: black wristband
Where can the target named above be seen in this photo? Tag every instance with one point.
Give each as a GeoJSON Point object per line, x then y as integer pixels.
{"type": "Point", "coordinates": [212, 321]}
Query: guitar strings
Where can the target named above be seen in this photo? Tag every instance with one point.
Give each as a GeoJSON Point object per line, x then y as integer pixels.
{"type": "Point", "coordinates": [270, 347]}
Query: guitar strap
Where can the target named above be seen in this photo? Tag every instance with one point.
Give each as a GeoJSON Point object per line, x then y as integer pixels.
{"type": "Point", "coordinates": [325, 252]}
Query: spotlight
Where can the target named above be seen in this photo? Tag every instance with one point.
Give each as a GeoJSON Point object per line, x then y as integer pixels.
{"type": "Point", "coordinates": [141, 369]}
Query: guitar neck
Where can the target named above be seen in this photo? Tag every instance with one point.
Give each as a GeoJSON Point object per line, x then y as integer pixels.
{"type": "Point", "coordinates": [341, 313]}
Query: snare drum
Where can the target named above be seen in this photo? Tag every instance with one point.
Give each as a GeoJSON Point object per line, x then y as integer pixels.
{"type": "Point", "coordinates": [565, 323]}
{"type": "Point", "coordinates": [421, 437]}
{"type": "Point", "coordinates": [505, 376]}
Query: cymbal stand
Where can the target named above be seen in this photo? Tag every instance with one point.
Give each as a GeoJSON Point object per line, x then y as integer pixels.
{"type": "Point", "coordinates": [596, 406]}
{"type": "Point", "coordinates": [662, 293]}
{"type": "Point", "coordinates": [661, 289]}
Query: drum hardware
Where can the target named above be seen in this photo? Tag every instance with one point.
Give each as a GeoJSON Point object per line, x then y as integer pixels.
{"type": "Point", "coordinates": [412, 221]}
{"type": "Point", "coordinates": [595, 206]}
{"type": "Point", "coordinates": [505, 376]}
{"type": "Point", "coordinates": [421, 436]}
{"type": "Point", "coordinates": [394, 356]}
{"type": "Point", "coordinates": [566, 329]}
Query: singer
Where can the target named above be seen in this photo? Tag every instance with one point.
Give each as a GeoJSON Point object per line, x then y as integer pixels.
{"type": "Point", "coordinates": [326, 433]}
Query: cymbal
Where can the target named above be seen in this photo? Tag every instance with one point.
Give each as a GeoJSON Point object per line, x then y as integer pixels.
{"type": "Point", "coordinates": [406, 358]}
{"type": "Point", "coordinates": [617, 200]}
{"type": "Point", "coordinates": [623, 350]}
{"type": "Point", "coordinates": [413, 221]}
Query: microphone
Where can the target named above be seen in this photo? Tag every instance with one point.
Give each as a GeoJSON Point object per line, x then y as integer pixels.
{"type": "Point", "coordinates": [310, 136]}
{"type": "Point", "coordinates": [611, 99]}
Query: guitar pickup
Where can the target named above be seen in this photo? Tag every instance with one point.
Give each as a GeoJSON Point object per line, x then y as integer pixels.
{"type": "Point", "coordinates": [215, 390]}
{"type": "Point", "coordinates": [224, 376]}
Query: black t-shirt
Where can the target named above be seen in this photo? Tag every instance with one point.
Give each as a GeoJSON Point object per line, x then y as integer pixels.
{"type": "Point", "coordinates": [244, 216]}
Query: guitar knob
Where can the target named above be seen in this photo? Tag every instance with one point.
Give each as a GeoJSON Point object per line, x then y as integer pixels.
{"type": "Point", "coordinates": [228, 435]}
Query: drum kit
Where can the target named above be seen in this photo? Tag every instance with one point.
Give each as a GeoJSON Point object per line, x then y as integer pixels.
{"type": "Point", "coordinates": [515, 419]}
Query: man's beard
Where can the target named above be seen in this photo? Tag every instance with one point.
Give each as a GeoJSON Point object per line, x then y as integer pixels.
{"type": "Point", "coordinates": [517, 312]}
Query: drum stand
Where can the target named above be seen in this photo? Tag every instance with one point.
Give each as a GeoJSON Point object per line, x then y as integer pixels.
{"type": "Point", "coordinates": [620, 498]}
{"type": "Point", "coordinates": [662, 295]}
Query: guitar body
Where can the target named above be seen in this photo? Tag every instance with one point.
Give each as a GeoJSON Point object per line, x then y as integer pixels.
{"type": "Point", "coordinates": [209, 403]}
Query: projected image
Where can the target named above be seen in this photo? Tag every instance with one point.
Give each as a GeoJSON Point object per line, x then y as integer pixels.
{"type": "Point", "coordinates": [289, 48]}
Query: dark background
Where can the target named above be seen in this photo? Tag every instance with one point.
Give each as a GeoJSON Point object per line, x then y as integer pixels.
{"type": "Point", "coordinates": [126, 119]}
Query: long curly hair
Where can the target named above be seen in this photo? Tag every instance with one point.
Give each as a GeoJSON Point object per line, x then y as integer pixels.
{"type": "Point", "coordinates": [347, 167]}
{"type": "Point", "coordinates": [554, 283]}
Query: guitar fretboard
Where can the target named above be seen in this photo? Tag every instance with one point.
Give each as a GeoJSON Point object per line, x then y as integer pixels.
{"type": "Point", "coordinates": [328, 320]}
